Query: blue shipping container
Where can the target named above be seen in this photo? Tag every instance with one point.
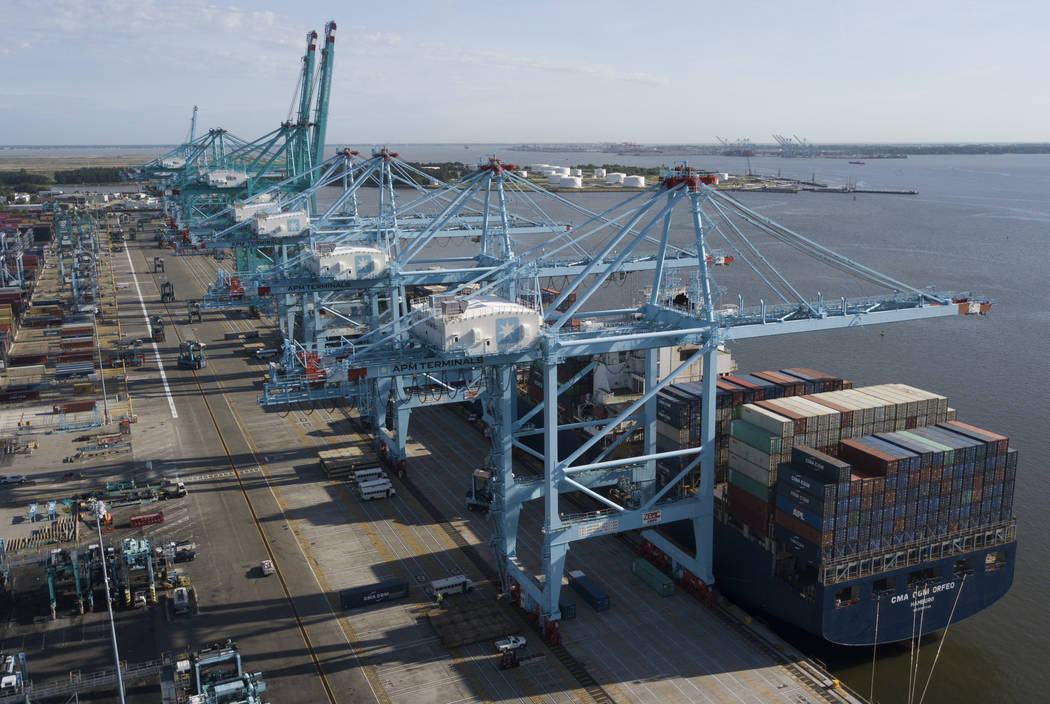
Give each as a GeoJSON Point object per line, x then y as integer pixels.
{"type": "Point", "coordinates": [590, 592]}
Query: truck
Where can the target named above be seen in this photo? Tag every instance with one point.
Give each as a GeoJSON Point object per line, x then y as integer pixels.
{"type": "Point", "coordinates": [376, 489]}
{"type": "Point", "coordinates": [174, 489]}
{"type": "Point", "coordinates": [388, 590]}
{"type": "Point", "coordinates": [586, 588]}
{"type": "Point", "coordinates": [266, 567]}
{"type": "Point", "coordinates": [181, 600]}
{"type": "Point", "coordinates": [457, 584]}
{"type": "Point", "coordinates": [510, 643]}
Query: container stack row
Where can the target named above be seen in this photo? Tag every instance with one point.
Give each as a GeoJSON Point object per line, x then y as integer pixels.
{"type": "Point", "coordinates": [880, 492]}
{"type": "Point", "coordinates": [678, 409]}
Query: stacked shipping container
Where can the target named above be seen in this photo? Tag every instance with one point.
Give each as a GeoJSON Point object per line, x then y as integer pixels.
{"type": "Point", "coordinates": [829, 470]}
{"type": "Point", "coordinates": [678, 409]}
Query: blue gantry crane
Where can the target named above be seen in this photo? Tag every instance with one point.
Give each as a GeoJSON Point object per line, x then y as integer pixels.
{"type": "Point", "coordinates": [205, 176]}
{"type": "Point", "coordinates": [470, 341]}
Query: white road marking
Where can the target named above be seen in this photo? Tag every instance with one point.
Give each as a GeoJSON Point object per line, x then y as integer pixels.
{"type": "Point", "coordinates": [156, 350]}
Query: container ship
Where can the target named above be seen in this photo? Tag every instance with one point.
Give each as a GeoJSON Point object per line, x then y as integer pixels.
{"type": "Point", "coordinates": [861, 515]}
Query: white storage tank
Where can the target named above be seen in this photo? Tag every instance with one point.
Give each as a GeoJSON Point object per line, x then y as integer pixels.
{"type": "Point", "coordinates": [346, 262]}
{"type": "Point", "coordinates": [539, 167]}
{"type": "Point", "coordinates": [523, 173]}
{"type": "Point", "coordinates": [571, 182]}
{"type": "Point", "coordinates": [615, 178]}
{"type": "Point", "coordinates": [553, 180]}
{"type": "Point", "coordinates": [723, 176]}
{"type": "Point", "coordinates": [562, 170]}
{"type": "Point", "coordinates": [576, 172]}
{"type": "Point", "coordinates": [482, 325]}
{"type": "Point", "coordinates": [599, 173]}
{"type": "Point", "coordinates": [280, 224]}
{"type": "Point", "coordinates": [633, 181]}
{"type": "Point", "coordinates": [224, 178]}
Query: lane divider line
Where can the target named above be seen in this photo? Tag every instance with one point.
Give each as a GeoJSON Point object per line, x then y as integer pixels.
{"type": "Point", "coordinates": [156, 350]}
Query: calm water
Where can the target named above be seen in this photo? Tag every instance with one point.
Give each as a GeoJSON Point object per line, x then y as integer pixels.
{"type": "Point", "coordinates": [980, 223]}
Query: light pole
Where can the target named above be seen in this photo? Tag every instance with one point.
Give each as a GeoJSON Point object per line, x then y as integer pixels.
{"type": "Point", "coordinates": [99, 510]}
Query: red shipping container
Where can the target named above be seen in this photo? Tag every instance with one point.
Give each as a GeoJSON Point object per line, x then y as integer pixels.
{"type": "Point", "coordinates": [758, 392]}
{"type": "Point", "coordinates": [800, 420]}
{"type": "Point", "coordinates": [799, 528]}
{"type": "Point", "coordinates": [749, 510]}
{"type": "Point", "coordinates": [792, 387]}
{"type": "Point", "coordinates": [890, 499]}
{"type": "Point", "coordinates": [73, 407]}
{"type": "Point", "coordinates": [147, 519]}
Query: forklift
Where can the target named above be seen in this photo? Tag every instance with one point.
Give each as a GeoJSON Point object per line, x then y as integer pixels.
{"type": "Point", "coordinates": [191, 355]}
{"type": "Point", "coordinates": [193, 309]}
{"type": "Point", "coordinates": [167, 292]}
{"type": "Point", "coordinates": [156, 326]}
{"type": "Point", "coordinates": [127, 354]}
{"type": "Point", "coordinates": [158, 264]}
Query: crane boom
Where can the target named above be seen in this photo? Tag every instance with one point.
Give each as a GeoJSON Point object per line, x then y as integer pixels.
{"type": "Point", "coordinates": [323, 90]}
{"type": "Point", "coordinates": [307, 81]}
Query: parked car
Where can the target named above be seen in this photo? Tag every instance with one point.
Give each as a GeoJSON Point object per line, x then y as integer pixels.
{"type": "Point", "coordinates": [13, 479]}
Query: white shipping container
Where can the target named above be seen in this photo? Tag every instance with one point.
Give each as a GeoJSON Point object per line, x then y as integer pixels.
{"type": "Point", "coordinates": [762, 475]}
{"type": "Point", "coordinates": [757, 457]}
{"type": "Point", "coordinates": [767, 420]}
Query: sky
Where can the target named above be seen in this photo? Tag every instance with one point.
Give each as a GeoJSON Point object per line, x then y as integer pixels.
{"type": "Point", "coordinates": [435, 71]}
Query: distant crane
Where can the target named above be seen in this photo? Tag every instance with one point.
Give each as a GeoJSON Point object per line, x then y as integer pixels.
{"type": "Point", "coordinates": [193, 127]}
{"type": "Point", "coordinates": [741, 147]}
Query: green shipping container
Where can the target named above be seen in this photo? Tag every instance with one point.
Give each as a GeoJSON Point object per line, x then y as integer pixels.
{"type": "Point", "coordinates": [756, 437]}
{"type": "Point", "coordinates": [656, 579]}
{"type": "Point", "coordinates": [967, 496]}
{"type": "Point", "coordinates": [759, 491]}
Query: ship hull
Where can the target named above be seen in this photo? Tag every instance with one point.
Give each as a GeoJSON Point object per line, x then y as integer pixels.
{"type": "Point", "coordinates": [744, 572]}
